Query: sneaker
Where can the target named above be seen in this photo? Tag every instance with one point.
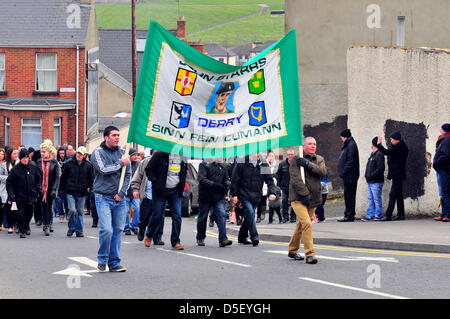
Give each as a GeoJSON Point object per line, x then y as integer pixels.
{"type": "Point", "coordinates": [438, 218]}
{"type": "Point", "coordinates": [311, 260]}
{"type": "Point", "coordinates": [51, 229]}
{"type": "Point", "coordinates": [80, 234]}
{"type": "Point", "coordinates": [147, 241]}
{"type": "Point", "coordinates": [446, 219]}
{"type": "Point", "coordinates": [47, 230]}
{"type": "Point", "coordinates": [135, 231]}
{"type": "Point", "coordinates": [118, 269]}
{"type": "Point", "coordinates": [315, 220]}
{"type": "Point", "coordinates": [200, 242]}
{"type": "Point", "coordinates": [224, 243]}
{"type": "Point", "coordinates": [178, 247]}
{"type": "Point", "coordinates": [70, 233]}
{"type": "Point", "coordinates": [101, 267]}
{"type": "Point", "coordinates": [127, 232]}
{"type": "Point", "coordinates": [296, 256]}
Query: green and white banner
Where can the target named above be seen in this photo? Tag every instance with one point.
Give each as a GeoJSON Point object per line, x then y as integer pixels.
{"type": "Point", "coordinates": [190, 104]}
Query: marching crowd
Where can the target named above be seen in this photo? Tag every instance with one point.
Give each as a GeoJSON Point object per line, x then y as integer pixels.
{"type": "Point", "coordinates": [129, 192]}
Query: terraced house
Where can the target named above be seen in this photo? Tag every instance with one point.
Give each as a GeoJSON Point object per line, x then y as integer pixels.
{"type": "Point", "coordinates": [45, 47]}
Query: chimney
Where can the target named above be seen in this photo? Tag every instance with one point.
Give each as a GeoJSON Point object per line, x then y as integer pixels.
{"type": "Point", "coordinates": [181, 28]}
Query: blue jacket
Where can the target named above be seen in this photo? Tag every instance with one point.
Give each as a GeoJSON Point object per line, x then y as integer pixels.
{"type": "Point", "coordinates": [107, 170]}
{"type": "Point", "coordinates": [441, 161]}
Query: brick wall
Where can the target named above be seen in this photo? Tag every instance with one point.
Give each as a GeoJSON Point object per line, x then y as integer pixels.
{"type": "Point", "coordinates": [20, 82]}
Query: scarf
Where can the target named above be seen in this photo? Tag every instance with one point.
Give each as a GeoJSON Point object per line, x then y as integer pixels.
{"type": "Point", "coordinates": [45, 174]}
{"type": "Point", "coordinates": [441, 138]}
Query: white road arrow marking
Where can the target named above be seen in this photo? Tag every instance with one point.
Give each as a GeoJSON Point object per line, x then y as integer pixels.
{"type": "Point", "coordinates": [74, 270]}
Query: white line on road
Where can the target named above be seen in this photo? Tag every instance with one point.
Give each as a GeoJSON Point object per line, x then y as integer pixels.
{"type": "Point", "coordinates": [352, 288]}
{"type": "Point", "coordinates": [345, 258]}
{"type": "Point", "coordinates": [208, 258]}
{"type": "Point", "coordinates": [85, 261]}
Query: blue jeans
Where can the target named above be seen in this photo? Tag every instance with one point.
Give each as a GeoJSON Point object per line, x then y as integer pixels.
{"type": "Point", "coordinates": [444, 180]}
{"type": "Point", "coordinates": [220, 216]}
{"type": "Point", "coordinates": [158, 208]}
{"type": "Point", "coordinates": [375, 206]}
{"type": "Point", "coordinates": [249, 224]}
{"type": "Point", "coordinates": [111, 215]}
{"type": "Point", "coordinates": [76, 207]}
{"type": "Point", "coordinates": [135, 221]}
{"type": "Point", "coordinates": [61, 203]}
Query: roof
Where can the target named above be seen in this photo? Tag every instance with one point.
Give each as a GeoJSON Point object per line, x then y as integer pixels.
{"type": "Point", "coordinates": [36, 103]}
{"type": "Point", "coordinates": [255, 47]}
{"type": "Point", "coordinates": [115, 50]}
{"type": "Point", "coordinates": [43, 23]}
{"type": "Point", "coordinates": [216, 50]}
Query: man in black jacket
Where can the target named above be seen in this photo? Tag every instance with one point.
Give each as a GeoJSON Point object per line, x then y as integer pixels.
{"type": "Point", "coordinates": [76, 181]}
{"type": "Point", "coordinates": [213, 184]}
{"type": "Point", "coordinates": [283, 179]}
{"type": "Point", "coordinates": [348, 169]}
{"type": "Point", "coordinates": [23, 187]}
{"type": "Point", "coordinates": [397, 155]}
{"type": "Point", "coordinates": [246, 186]}
{"type": "Point", "coordinates": [441, 163]}
{"type": "Point", "coordinates": [375, 180]}
{"type": "Point", "coordinates": [167, 172]}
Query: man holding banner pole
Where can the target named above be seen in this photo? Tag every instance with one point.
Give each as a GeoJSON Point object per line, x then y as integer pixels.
{"type": "Point", "coordinates": [108, 160]}
{"type": "Point", "coordinates": [305, 195]}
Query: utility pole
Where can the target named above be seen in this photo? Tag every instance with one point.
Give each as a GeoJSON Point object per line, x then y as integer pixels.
{"type": "Point", "coordinates": [133, 49]}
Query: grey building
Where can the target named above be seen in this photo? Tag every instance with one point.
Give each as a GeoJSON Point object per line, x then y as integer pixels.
{"type": "Point", "coordinates": [325, 31]}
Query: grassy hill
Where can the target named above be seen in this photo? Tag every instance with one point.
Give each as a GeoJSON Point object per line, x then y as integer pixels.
{"type": "Point", "coordinates": [202, 14]}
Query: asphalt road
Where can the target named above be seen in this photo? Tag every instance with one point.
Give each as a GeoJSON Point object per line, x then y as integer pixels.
{"type": "Point", "coordinates": [62, 267]}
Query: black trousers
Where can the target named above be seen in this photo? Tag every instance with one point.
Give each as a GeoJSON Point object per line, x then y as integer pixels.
{"type": "Point", "coordinates": [24, 215]}
{"type": "Point", "coordinates": [145, 212]}
{"type": "Point", "coordinates": [320, 212]}
{"type": "Point", "coordinates": [93, 208]}
{"type": "Point", "coordinates": [396, 196]}
{"type": "Point", "coordinates": [46, 210]}
{"type": "Point", "coordinates": [262, 206]}
{"type": "Point", "coordinates": [350, 198]}
{"type": "Point", "coordinates": [285, 206]}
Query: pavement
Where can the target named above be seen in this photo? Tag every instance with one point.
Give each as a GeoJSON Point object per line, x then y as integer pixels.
{"type": "Point", "coordinates": [412, 234]}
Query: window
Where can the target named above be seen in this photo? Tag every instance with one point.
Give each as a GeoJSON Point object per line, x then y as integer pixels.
{"type": "Point", "coordinates": [57, 131]}
{"type": "Point", "coordinates": [31, 132]}
{"type": "Point", "coordinates": [2, 71]}
{"type": "Point", "coordinates": [7, 135]}
{"type": "Point", "coordinates": [401, 31]}
{"type": "Point", "coordinates": [46, 72]}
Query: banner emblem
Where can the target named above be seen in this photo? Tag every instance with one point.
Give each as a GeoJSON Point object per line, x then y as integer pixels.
{"type": "Point", "coordinates": [185, 82]}
{"type": "Point", "coordinates": [257, 114]}
{"type": "Point", "coordinates": [180, 115]}
{"type": "Point", "coordinates": [256, 84]}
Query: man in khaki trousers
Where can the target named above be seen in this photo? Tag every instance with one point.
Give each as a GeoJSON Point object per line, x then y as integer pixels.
{"type": "Point", "coordinates": [304, 197]}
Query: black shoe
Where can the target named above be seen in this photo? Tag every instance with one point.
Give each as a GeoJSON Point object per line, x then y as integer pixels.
{"type": "Point", "coordinates": [141, 235]}
{"type": "Point", "coordinates": [200, 242]}
{"type": "Point", "coordinates": [385, 219]}
{"type": "Point", "coordinates": [244, 241]}
{"type": "Point", "coordinates": [224, 243]}
{"type": "Point", "coordinates": [127, 232]}
{"type": "Point", "coordinates": [255, 242]}
{"type": "Point", "coordinates": [285, 220]}
{"type": "Point", "coordinates": [263, 216]}
{"type": "Point", "coordinates": [311, 260]}
{"type": "Point", "coordinates": [346, 220]}
{"type": "Point", "coordinates": [118, 269]}
{"type": "Point", "coordinates": [94, 226]}
{"type": "Point", "coordinates": [47, 230]}
{"type": "Point", "coordinates": [80, 234]}
{"type": "Point", "coordinates": [296, 256]}
{"type": "Point", "coordinates": [22, 235]}
{"type": "Point", "coordinates": [135, 231]}
{"type": "Point", "coordinates": [211, 223]}
{"type": "Point", "coordinates": [399, 218]}
{"type": "Point", "coordinates": [258, 219]}
{"type": "Point", "coordinates": [51, 229]}
{"type": "Point", "coordinates": [70, 233]}
{"type": "Point", "coordinates": [28, 232]}
{"type": "Point", "coordinates": [159, 243]}
{"type": "Point", "coordinates": [101, 267]}
{"type": "Point", "coordinates": [39, 223]}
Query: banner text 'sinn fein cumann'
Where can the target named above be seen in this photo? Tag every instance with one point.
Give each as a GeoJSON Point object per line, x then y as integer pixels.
{"type": "Point", "coordinates": [190, 104]}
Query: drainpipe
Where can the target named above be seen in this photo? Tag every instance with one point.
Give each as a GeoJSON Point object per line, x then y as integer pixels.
{"type": "Point", "coordinates": [77, 97]}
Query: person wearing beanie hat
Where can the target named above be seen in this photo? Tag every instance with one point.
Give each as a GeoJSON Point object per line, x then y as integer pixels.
{"type": "Point", "coordinates": [441, 164]}
{"type": "Point", "coordinates": [130, 200]}
{"type": "Point", "coordinates": [23, 187]}
{"type": "Point", "coordinates": [375, 179]}
{"type": "Point", "coordinates": [348, 169]}
{"type": "Point", "coordinates": [397, 154]}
